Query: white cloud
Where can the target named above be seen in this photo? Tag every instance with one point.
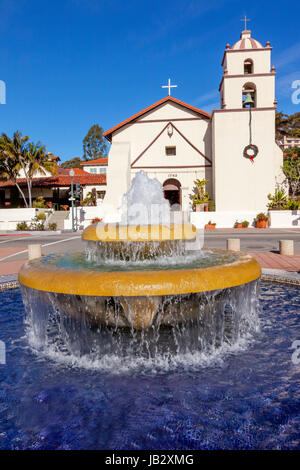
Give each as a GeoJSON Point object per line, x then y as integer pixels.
{"type": "Point", "coordinates": [284, 84]}
{"type": "Point", "coordinates": [206, 97]}
{"type": "Point", "coordinates": [210, 107]}
{"type": "Point", "coordinates": [288, 56]}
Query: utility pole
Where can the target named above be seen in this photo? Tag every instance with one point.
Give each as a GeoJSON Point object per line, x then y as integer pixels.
{"type": "Point", "coordinates": [72, 199]}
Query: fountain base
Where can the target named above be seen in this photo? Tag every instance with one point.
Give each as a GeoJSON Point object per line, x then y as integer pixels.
{"type": "Point", "coordinates": [138, 294]}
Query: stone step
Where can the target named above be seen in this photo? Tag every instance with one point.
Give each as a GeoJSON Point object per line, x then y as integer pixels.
{"type": "Point", "coordinates": [58, 218]}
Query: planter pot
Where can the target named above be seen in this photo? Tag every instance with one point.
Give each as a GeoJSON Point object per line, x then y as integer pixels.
{"type": "Point", "coordinates": [238, 226]}
{"type": "Point", "coordinates": [210, 226]}
{"type": "Point", "coordinates": [261, 224]}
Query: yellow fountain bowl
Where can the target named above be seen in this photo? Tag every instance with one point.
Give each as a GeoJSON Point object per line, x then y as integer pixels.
{"type": "Point", "coordinates": [139, 283]}
{"type": "Point", "coordinates": [138, 233]}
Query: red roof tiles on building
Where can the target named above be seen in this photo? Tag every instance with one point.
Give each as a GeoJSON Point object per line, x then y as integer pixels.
{"type": "Point", "coordinates": [97, 161]}
{"type": "Point", "coordinates": [59, 180]}
{"type": "Point", "coordinates": [108, 134]}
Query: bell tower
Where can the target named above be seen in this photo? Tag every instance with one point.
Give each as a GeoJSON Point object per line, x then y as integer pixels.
{"type": "Point", "coordinates": [247, 70]}
{"type": "Point", "coordinates": [247, 161]}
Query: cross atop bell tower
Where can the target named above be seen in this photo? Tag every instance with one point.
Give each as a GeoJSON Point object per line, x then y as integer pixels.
{"type": "Point", "coordinates": [245, 20]}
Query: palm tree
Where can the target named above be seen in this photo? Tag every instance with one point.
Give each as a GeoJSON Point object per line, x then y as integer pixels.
{"type": "Point", "coordinates": [36, 161]}
{"type": "Point", "coordinates": [10, 155]}
{"type": "Point", "coordinates": [19, 155]}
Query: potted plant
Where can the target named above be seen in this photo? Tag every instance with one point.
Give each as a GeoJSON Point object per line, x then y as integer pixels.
{"type": "Point", "coordinates": [201, 197]}
{"type": "Point", "coordinates": [245, 224]}
{"type": "Point", "coordinates": [96, 220]}
{"type": "Point", "coordinates": [261, 220]}
{"type": "Point", "coordinates": [238, 224]}
{"type": "Point", "coordinates": [210, 225]}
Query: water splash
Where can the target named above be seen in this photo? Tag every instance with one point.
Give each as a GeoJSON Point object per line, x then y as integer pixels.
{"type": "Point", "coordinates": [144, 203]}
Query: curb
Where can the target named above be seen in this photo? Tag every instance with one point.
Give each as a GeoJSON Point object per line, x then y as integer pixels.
{"type": "Point", "coordinates": [34, 232]}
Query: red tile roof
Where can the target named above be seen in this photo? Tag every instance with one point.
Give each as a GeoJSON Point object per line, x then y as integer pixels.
{"type": "Point", "coordinates": [97, 161]}
{"type": "Point", "coordinates": [108, 134]}
{"type": "Point", "coordinates": [77, 171]}
{"type": "Point", "coordinates": [59, 180]}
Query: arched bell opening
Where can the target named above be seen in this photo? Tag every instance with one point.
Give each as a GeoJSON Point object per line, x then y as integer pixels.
{"type": "Point", "coordinates": [249, 95]}
{"type": "Point", "coordinates": [172, 192]}
{"type": "Point", "coordinates": [248, 66]}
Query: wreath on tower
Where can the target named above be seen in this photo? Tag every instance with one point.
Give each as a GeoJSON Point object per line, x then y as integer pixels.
{"type": "Point", "coordinates": [250, 151]}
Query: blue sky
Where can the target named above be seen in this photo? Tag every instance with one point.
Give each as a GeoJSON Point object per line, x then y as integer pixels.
{"type": "Point", "coordinates": [68, 64]}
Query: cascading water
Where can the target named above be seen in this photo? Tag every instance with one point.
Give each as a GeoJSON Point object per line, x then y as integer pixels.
{"type": "Point", "coordinates": [220, 323]}
{"type": "Point", "coordinates": [140, 296]}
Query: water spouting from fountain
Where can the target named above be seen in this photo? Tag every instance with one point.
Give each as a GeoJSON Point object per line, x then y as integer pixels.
{"type": "Point", "coordinates": [144, 203]}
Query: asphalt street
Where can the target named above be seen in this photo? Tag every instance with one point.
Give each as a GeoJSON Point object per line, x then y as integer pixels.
{"type": "Point", "coordinates": [251, 241]}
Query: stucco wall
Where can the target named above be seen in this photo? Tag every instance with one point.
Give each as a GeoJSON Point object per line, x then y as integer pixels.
{"type": "Point", "coordinates": [261, 59]}
{"type": "Point", "coordinates": [10, 217]}
{"type": "Point", "coordinates": [239, 184]}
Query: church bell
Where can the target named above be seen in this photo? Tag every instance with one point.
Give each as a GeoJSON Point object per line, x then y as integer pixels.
{"type": "Point", "coordinates": [248, 100]}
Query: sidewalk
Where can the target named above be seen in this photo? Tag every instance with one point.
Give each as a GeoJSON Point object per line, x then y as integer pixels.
{"type": "Point", "coordinates": [276, 261]}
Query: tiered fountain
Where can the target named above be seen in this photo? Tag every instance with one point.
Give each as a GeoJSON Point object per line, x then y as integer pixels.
{"type": "Point", "coordinates": [140, 282]}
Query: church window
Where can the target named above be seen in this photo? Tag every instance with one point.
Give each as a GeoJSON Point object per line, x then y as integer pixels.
{"type": "Point", "coordinates": [170, 150]}
{"type": "Point", "coordinates": [249, 95]}
{"type": "Point", "coordinates": [100, 194]}
{"type": "Point", "coordinates": [248, 66]}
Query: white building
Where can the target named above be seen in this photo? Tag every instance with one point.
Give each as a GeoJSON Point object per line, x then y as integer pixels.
{"type": "Point", "coordinates": [178, 143]}
{"type": "Point", "coordinates": [288, 142]}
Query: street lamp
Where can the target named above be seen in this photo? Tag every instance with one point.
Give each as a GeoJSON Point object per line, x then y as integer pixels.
{"type": "Point", "coordinates": [72, 199]}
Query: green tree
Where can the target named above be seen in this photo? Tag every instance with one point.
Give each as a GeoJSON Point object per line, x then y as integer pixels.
{"type": "Point", "coordinates": [291, 169]}
{"type": "Point", "coordinates": [288, 125]}
{"type": "Point", "coordinates": [19, 155]}
{"type": "Point", "coordinates": [94, 144]}
{"type": "Point", "coordinates": [73, 163]}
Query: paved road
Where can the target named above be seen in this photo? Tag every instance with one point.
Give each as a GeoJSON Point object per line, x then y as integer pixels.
{"type": "Point", "coordinates": [62, 243]}
{"type": "Point", "coordinates": [254, 240]}
{"type": "Point", "coordinates": [251, 240]}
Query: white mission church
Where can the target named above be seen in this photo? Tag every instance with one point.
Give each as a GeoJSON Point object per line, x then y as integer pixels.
{"type": "Point", "coordinates": [178, 143]}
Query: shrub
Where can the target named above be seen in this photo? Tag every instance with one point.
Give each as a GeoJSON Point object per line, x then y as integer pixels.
{"type": "Point", "coordinates": [52, 226]}
{"type": "Point", "coordinates": [22, 226]}
{"type": "Point", "coordinates": [245, 223]}
{"type": "Point", "coordinates": [38, 223]}
{"type": "Point", "coordinates": [41, 216]}
{"type": "Point", "coordinates": [278, 201]}
{"type": "Point", "coordinates": [39, 203]}
{"type": "Point", "coordinates": [291, 204]}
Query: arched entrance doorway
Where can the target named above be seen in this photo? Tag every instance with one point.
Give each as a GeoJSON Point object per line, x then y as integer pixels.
{"type": "Point", "coordinates": [172, 192]}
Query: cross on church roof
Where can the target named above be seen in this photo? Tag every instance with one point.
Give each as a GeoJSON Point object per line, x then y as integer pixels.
{"type": "Point", "coordinates": [245, 19]}
{"type": "Point", "coordinates": [169, 86]}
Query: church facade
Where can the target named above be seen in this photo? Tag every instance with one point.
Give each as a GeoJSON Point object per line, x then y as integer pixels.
{"type": "Point", "coordinates": [233, 148]}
